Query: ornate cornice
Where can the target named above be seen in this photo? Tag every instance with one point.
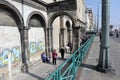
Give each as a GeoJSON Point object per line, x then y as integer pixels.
{"type": "Point", "coordinates": [62, 6]}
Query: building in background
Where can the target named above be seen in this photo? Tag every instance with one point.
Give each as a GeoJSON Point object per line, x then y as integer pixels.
{"type": "Point", "coordinates": [89, 19]}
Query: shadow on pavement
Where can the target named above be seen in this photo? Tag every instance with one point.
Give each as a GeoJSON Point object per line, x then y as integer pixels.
{"type": "Point", "coordinates": [62, 59]}
{"type": "Point", "coordinates": [93, 67]}
{"type": "Point", "coordinates": [59, 59]}
{"type": "Point", "coordinates": [115, 39]}
{"type": "Point", "coordinates": [35, 76]}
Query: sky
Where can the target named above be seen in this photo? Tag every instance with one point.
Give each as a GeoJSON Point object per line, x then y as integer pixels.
{"type": "Point", "coordinates": [114, 11]}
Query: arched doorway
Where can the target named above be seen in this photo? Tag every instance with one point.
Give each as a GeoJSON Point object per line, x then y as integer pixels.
{"type": "Point", "coordinates": [10, 23]}
{"type": "Point", "coordinates": [59, 31]}
{"type": "Point", "coordinates": [37, 34]}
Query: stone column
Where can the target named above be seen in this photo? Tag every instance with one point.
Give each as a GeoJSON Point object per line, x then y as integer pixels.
{"type": "Point", "coordinates": [63, 36]}
{"type": "Point", "coordinates": [51, 31]}
{"type": "Point", "coordinates": [76, 38]}
{"type": "Point", "coordinates": [46, 41]}
{"type": "Point", "coordinates": [49, 40]}
{"type": "Point", "coordinates": [70, 35]}
{"type": "Point", "coordinates": [24, 49]}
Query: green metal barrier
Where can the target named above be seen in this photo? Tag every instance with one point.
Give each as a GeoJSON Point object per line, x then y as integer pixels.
{"type": "Point", "coordinates": [68, 69]}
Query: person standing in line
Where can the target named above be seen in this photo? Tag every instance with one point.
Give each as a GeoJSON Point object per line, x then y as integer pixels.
{"type": "Point", "coordinates": [100, 36]}
{"type": "Point", "coordinates": [117, 33]}
{"type": "Point", "coordinates": [62, 51]}
{"type": "Point", "coordinates": [54, 57]}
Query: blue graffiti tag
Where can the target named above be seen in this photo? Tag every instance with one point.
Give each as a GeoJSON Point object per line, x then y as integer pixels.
{"type": "Point", "coordinates": [5, 56]}
{"type": "Point", "coordinates": [32, 47]}
{"type": "Point", "coordinates": [15, 53]}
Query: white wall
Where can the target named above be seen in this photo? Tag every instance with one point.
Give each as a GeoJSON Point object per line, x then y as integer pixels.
{"type": "Point", "coordinates": [56, 31]}
{"type": "Point", "coordinates": [26, 10]}
{"type": "Point", "coordinates": [36, 34]}
{"type": "Point", "coordinates": [9, 37]}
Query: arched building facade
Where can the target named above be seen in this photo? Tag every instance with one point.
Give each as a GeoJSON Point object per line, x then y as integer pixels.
{"type": "Point", "coordinates": [27, 28]}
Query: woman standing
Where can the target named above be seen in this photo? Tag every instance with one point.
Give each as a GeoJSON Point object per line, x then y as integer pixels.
{"type": "Point", "coordinates": [54, 57]}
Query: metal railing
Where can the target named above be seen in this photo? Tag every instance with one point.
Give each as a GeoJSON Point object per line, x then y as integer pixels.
{"type": "Point", "coordinates": [67, 70]}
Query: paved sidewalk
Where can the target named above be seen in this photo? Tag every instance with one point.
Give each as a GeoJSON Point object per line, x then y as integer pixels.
{"type": "Point", "coordinates": [89, 72]}
{"type": "Point", "coordinates": [39, 70]}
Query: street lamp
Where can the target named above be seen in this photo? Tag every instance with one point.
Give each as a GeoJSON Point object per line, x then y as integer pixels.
{"type": "Point", "coordinates": [103, 63]}
{"type": "Point", "coordinates": [98, 16]}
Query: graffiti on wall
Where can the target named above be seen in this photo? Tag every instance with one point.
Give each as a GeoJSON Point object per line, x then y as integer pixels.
{"type": "Point", "coordinates": [36, 47]}
{"type": "Point", "coordinates": [15, 52]}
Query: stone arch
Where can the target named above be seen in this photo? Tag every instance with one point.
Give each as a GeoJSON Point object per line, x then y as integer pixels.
{"type": "Point", "coordinates": [37, 24]}
{"type": "Point", "coordinates": [12, 37]}
{"type": "Point", "coordinates": [51, 19]}
{"type": "Point", "coordinates": [39, 16]}
{"type": "Point", "coordinates": [14, 13]}
{"type": "Point", "coordinates": [62, 30]}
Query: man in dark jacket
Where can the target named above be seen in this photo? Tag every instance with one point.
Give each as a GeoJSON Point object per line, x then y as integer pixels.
{"type": "Point", "coordinates": [62, 51]}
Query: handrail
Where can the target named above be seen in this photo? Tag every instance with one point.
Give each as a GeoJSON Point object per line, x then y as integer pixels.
{"type": "Point", "coordinates": [68, 69]}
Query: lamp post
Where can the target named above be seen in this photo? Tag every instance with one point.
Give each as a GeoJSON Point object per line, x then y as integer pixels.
{"type": "Point", "coordinates": [98, 16]}
{"type": "Point", "coordinates": [103, 63]}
